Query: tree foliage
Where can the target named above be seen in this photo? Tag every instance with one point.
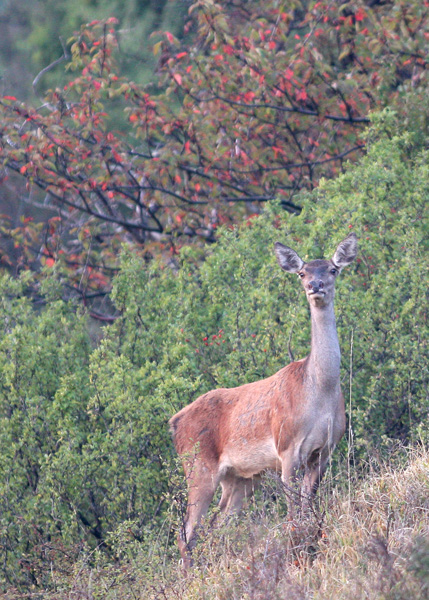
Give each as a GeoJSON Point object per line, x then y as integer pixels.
{"type": "Point", "coordinates": [263, 103]}
{"type": "Point", "coordinates": [84, 438]}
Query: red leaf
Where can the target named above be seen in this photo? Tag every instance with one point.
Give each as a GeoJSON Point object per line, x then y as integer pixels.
{"type": "Point", "coordinates": [360, 14]}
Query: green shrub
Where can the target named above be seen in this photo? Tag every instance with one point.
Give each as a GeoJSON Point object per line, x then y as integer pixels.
{"type": "Point", "coordinates": [40, 351]}
{"type": "Point", "coordinates": [230, 320]}
{"type": "Point", "coordinates": [84, 432]}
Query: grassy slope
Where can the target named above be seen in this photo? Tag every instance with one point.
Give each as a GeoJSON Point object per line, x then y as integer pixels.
{"type": "Point", "coordinates": [367, 539]}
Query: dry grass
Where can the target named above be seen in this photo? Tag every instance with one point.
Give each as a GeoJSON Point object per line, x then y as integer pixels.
{"type": "Point", "coordinates": [369, 543]}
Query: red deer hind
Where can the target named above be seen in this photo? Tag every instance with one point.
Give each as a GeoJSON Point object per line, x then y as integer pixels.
{"type": "Point", "coordinates": [287, 422]}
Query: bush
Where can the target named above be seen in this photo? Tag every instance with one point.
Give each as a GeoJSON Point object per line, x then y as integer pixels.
{"type": "Point", "coordinates": [41, 352]}
{"type": "Point", "coordinates": [84, 431]}
{"type": "Point", "coordinates": [229, 321]}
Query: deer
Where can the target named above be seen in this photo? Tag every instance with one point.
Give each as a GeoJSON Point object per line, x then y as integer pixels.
{"type": "Point", "coordinates": [289, 422]}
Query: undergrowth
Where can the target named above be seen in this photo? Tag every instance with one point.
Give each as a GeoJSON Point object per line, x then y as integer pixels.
{"type": "Point", "coordinates": [366, 538]}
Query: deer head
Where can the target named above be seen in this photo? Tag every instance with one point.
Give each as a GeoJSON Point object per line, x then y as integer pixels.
{"type": "Point", "coordinates": [318, 276]}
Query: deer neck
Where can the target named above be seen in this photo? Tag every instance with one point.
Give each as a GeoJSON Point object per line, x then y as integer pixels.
{"type": "Point", "coordinates": [324, 360]}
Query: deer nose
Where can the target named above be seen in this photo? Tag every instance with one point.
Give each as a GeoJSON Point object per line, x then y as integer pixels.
{"type": "Point", "coordinates": [315, 286]}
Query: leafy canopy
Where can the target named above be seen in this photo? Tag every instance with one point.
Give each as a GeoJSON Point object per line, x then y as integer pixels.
{"type": "Point", "coordinates": [264, 101]}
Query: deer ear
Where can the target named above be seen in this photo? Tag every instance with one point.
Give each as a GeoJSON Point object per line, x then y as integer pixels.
{"type": "Point", "coordinates": [287, 258]}
{"type": "Point", "coordinates": [346, 251]}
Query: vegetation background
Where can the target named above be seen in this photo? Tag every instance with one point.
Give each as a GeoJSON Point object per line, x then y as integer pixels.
{"type": "Point", "coordinates": [142, 198]}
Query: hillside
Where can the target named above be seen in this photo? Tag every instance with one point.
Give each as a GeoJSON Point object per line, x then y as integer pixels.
{"type": "Point", "coordinates": [367, 538]}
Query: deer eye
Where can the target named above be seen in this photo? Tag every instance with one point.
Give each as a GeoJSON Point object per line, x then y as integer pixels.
{"type": "Point", "coordinates": [301, 274]}
{"type": "Point", "coordinates": [334, 271]}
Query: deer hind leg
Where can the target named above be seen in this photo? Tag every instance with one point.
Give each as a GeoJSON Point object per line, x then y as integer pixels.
{"type": "Point", "coordinates": [234, 491]}
{"type": "Point", "coordinates": [202, 486]}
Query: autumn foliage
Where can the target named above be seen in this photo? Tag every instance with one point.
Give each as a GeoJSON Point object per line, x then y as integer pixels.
{"type": "Point", "coordinates": [265, 101]}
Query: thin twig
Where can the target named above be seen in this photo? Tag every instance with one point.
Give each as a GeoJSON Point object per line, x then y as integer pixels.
{"type": "Point", "coordinates": [65, 56]}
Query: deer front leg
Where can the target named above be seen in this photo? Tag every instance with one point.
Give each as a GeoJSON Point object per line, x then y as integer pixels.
{"type": "Point", "coordinates": [315, 469]}
{"type": "Point", "coordinates": [290, 477]}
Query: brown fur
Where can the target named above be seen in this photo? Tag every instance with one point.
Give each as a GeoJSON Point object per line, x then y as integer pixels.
{"type": "Point", "coordinates": [246, 411]}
